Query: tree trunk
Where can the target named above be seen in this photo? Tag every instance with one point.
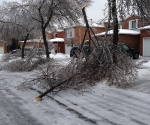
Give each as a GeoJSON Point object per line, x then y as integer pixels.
{"type": "Point", "coordinates": [115, 30]}
{"type": "Point", "coordinates": [45, 42]}
{"type": "Point", "coordinates": [109, 18]}
{"type": "Point", "coordinates": [54, 87]}
{"type": "Point", "coordinates": [23, 46]}
{"type": "Point", "coordinates": [115, 23]}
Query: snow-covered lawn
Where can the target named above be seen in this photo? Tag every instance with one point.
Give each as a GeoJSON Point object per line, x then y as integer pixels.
{"type": "Point", "coordinates": [102, 105]}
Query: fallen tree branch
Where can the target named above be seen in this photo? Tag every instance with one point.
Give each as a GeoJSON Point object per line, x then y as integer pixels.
{"type": "Point", "coordinates": [39, 98]}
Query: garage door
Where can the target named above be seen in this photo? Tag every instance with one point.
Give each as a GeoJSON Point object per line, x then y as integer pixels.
{"type": "Point", "coordinates": [146, 47]}
{"type": "Point", "coordinates": [1, 50]}
{"type": "Point", "coordinates": [67, 49]}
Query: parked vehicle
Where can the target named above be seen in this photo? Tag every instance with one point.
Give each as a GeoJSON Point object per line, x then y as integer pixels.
{"type": "Point", "coordinates": [15, 51]}
{"type": "Point", "coordinates": [86, 49]}
{"type": "Point", "coordinates": [40, 51]}
{"type": "Point", "coordinates": [132, 51]}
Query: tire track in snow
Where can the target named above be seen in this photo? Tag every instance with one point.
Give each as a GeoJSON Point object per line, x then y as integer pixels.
{"type": "Point", "coordinates": [80, 115]}
{"type": "Point", "coordinates": [12, 112]}
{"type": "Point", "coordinates": [84, 110]}
{"type": "Point", "coordinates": [131, 110]}
{"type": "Point", "coordinates": [110, 103]}
{"type": "Point", "coordinates": [110, 114]}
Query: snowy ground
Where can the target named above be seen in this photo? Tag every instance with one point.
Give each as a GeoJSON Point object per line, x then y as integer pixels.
{"type": "Point", "coordinates": [102, 106]}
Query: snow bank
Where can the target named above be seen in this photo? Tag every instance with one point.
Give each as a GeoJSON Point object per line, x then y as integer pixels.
{"type": "Point", "coordinates": [1, 56]}
{"type": "Point", "coordinates": [56, 40]}
{"type": "Point", "coordinates": [121, 31]}
{"type": "Point", "coordinates": [146, 64]}
{"type": "Point", "coordinates": [59, 55]}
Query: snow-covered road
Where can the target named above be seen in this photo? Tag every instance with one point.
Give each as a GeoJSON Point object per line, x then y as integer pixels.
{"type": "Point", "coordinates": [11, 111]}
{"type": "Point", "coordinates": [102, 105]}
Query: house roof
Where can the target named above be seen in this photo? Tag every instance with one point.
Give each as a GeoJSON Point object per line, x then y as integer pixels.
{"type": "Point", "coordinates": [144, 28]}
{"type": "Point", "coordinates": [82, 24]}
{"type": "Point", "coordinates": [50, 40]}
{"type": "Point", "coordinates": [121, 31]}
{"type": "Point", "coordinates": [57, 30]}
{"type": "Point", "coordinates": [95, 25]}
{"type": "Point", "coordinates": [133, 15]}
{"type": "Point", "coordinates": [56, 40]}
{"type": "Point", "coordinates": [33, 40]}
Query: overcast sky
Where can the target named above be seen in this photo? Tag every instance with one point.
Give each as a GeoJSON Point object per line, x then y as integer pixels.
{"type": "Point", "coordinates": [94, 12]}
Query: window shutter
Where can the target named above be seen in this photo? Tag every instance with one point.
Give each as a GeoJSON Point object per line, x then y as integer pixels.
{"type": "Point", "coordinates": [130, 24]}
{"type": "Point", "coordinates": [136, 23]}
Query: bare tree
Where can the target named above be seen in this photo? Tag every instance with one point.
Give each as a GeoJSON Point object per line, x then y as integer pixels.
{"type": "Point", "coordinates": [16, 17]}
{"type": "Point", "coordinates": [55, 12]}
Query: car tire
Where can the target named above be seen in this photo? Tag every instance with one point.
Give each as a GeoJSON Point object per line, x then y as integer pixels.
{"type": "Point", "coordinates": [136, 55]}
{"type": "Point", "coordinates": [71, 55]}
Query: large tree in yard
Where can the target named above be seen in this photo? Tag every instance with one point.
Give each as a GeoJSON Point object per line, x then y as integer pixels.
{"type": "Point", "coordinates": [17, 22]}
{"type": "Point", "coordinates": [50, 13]}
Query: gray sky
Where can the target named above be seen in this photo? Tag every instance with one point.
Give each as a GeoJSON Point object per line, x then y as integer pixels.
{"type": "Point", "coordinates": [94, 12]}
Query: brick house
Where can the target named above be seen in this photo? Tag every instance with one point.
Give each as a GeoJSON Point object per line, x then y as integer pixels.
{"type": "Point", "coordinates": [128, 31]}
{"type": "Point", "coordinates": [134, 22]}
{"type": "Point", "coordinates": [72, 36]}
{"type": "Point", "coordinates": [33, 43]}
{"type": "Point", "coordinates": [51, 37]}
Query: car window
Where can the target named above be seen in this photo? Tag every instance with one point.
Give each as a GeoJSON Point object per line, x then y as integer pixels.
{"type": "Point", "coordinates": [75, 48]}
{"type": "Point", "coordinates": [125, 47]}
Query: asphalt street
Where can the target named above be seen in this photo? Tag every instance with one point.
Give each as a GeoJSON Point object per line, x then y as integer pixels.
{"type": "Point", "coordinates": [12, 113]}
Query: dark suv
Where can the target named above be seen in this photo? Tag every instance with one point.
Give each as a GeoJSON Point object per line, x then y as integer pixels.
{"type": "Point", "coordinates": [132, 51]}
{"type": "Point", "coordinates": [86, 49]}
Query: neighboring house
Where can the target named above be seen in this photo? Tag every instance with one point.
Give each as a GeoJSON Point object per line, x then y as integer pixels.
{"type": "Point", "coordinates": [134, 22]}
{"type": "Point", "coordinates": [145, 41]}
{"type": "Point", "coordinates": [33, 43]}
{"type": "Point", "coordinates": [130, 34]}
{"type": "Point", "coordinates": [76, 33]}
{"type": "Point", "coordinates": [72, 36]}
{"type": "Point", "coordinates": [3, 48]}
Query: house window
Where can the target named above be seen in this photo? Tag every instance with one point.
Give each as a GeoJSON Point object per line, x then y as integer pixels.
{"type": "Point", "coordinates": [55, 35]}
{"type": "Point", "coordinates": [119, 26]}
{"type": "Point", "coordinates": [133, 24]}
{"type": "Point", "coordinates": [70, 34]}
